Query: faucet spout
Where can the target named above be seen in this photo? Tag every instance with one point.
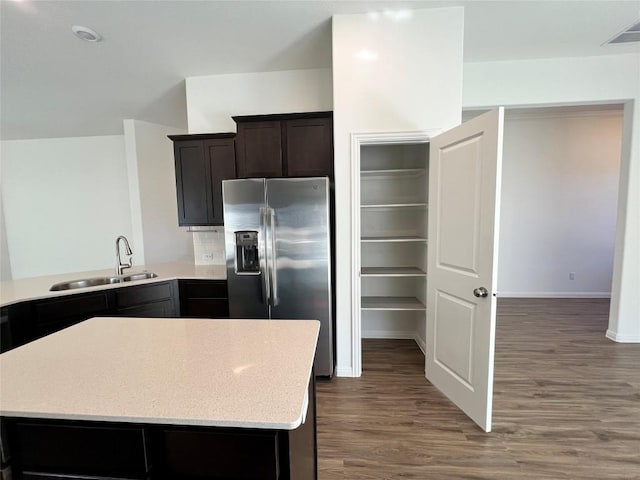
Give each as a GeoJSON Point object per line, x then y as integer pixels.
{"type": "Point", "coordinates": [120, 266]}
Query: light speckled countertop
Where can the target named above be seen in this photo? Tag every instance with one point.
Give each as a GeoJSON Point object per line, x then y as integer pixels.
{"type": "Point", "coordinates": [240, 373]}
{"type": "Point", "coordinates": [24, 289]}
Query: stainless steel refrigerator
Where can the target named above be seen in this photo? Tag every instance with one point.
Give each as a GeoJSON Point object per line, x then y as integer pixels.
{"type": "Point", "coordinates": [278, 253]}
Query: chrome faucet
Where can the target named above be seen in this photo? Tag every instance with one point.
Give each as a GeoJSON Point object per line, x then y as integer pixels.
{"type": "Point", "coordinates": [119, 265]}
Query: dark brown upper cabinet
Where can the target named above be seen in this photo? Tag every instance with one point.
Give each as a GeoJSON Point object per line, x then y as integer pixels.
{"type": "Point", "coordinates": [202, 162]}
{"type": "Point", "coordinates": [285, 145]}
{"type": "Point", "coordinates": [259, 151]}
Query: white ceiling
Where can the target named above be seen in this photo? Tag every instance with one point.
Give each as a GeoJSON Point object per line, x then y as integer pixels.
{"type": "Point", "coordinates": [53, 85]}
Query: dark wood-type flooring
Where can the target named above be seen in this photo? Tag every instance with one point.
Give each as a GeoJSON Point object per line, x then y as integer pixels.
{"type": "Point", "coordinates": [566, 406]}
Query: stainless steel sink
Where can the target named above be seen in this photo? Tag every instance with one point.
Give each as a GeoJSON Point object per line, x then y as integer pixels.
{"type": "Point", "coordinates": [85, 282]}
{"type": "Point", "coordinates": [138, 276]}
{"type": "Point", "coordinates": [94, 282]}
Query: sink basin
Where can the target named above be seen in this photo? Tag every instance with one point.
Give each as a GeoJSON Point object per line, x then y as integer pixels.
{"type": "Point", "coordinates": [138, 276]}
{"type": "Point", "coordinates": [94, 282]}
{"type": "Point", "coordinates": [85, 282]}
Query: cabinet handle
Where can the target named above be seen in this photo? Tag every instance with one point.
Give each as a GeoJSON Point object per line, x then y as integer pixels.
{"type": "Point", "coordinates": [262, 257]}
{"type": "Point", "coordinates": [274, 269]}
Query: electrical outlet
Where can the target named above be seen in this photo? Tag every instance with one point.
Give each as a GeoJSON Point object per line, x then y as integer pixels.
{"type": "Point", "coordinates": [572, 275]}
{"type": "Point", "coordinates": [207, 257]}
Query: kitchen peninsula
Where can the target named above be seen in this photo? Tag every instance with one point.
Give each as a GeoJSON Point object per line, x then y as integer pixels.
{"type": "Point", "coordinates": [118, 397]}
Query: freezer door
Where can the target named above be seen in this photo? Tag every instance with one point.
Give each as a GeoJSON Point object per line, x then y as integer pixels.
{"type": "Point", "coordinates": [244, 216]}
{"type": "Point", "coordinates": [298, 245]}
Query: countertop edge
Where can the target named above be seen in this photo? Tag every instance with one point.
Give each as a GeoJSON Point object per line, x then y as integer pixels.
{"type": "Point", "coordinates": [195, 422]}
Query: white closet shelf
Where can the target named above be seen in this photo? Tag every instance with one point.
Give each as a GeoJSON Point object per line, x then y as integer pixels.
{"type": "Point", "coordinates": [394, 205]}
{"type": "Point", "coordinates": [393, 172]}
{"type": "Point", "coordinates": [391, 303]}
{"type": "Point", "coordinates": [407, 238]}
{"type": "Point", "coordinates": [392, 272]}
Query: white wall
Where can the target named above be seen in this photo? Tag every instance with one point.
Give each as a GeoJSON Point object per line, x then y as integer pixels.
{"type": "Point", "coordinates": [559, 201]}
{"type": "Point", "coordinates": [213, 99]}
{"type": "Point", "coordinates": [152, 186]}
{"type": "Point", "coordinates": [5, 260]}
{"type": "Point", "coordinates": [602, 79]}
{"type": "Point", "coordinates": [65, 201]}
{"type": "Point", "coordinates": [388, 75]}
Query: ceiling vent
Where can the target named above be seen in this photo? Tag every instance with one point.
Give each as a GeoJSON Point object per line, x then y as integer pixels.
{"type": "Point", "coordinates": [629, 35]}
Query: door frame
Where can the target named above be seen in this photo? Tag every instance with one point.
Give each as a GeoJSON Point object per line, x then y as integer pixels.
{"type": "Point", "coordinates": [357, 141]}
{"type": "Point", "coordinates": [619, 285]}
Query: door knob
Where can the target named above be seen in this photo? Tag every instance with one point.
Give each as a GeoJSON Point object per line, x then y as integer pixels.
{"type": "Point", "coordinates": [480, 292]}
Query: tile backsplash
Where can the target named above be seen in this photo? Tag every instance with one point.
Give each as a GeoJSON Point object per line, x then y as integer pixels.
{"type": "Point", "coordinates": [208, 246]}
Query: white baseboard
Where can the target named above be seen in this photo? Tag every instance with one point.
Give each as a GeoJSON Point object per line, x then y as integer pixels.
{"type": "Point", "coordinates": [344, 372]}
{"type": "Point", "coordinates": [397, 334]}
{"type": "Point", "coordinates": [554, 294]}
{"type": "Point", "coordinates": [421, 343]}
{"type": "Point", "coordinates": [622, 338]}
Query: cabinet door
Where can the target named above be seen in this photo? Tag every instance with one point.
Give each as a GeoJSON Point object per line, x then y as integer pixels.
{"type": "Point", "coordinates": [152, 300]}
{"type": "Point", "coordinates": [6, 343]}
{"type": "Point", "coordinates": [56, 314]}
{"type": "Point", "coordinates": [309, 147]}
{"type": "Point", "coordinates": [44, 449]}
{"type": "Point", "coordinates": [221, 156]}
{"type": "Point", "coordinates": [259, 149]}
{"type": "Point", "coordinates": [219, 454]}
{"type": "Point", "coordinates": [193, 185]}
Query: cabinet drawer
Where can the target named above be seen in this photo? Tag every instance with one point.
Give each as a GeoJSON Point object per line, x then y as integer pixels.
{"type": "Point", "coordinates": [77, 450]}
{"type": "Point", "coordinates": [203, 289]}
{"type": "Point", "coordinates": [161, 309]}
{"type": "Point", "coordinates": [220, 455]}
{"type": "Point", "coordinates": [130, 296]}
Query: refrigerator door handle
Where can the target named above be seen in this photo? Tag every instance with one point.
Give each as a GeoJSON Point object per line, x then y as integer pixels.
{"type": "Point", "coordinates": [262, 257]}
{"type": "Point", "coordinates": [273, 267]}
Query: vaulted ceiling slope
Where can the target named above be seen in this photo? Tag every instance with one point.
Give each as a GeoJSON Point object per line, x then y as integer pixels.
{"type": "Point", "coordinates": [53, 85]}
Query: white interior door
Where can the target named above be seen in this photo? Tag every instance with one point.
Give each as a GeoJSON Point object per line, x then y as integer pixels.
{"type": "Point", "coordinates": [464, 191]}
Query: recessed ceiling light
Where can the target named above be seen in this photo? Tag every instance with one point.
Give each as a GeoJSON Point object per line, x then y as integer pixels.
{"type": "Point", "coordinates": [85, 33]}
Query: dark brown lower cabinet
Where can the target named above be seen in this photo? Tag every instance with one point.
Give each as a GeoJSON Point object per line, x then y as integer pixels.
{"type": "Point", "coordinates": [69, 449]}
{"type": "Point", "coordinates": [161, 309]}
{"type": "Point", "coordinates": [78, 449]}
{"type": "Point", "coordinates": [218, 454]}
{"type": "Point", "coordinates": [150, 300]}
{"type": "Point", "coordinates": [204, 298]}
{"type": "Point", "coordinates": [27, 321]}
{"type": "Point", "coordinates": [6, 338]}
{"type": "Point", "coordinates": [58, 313]}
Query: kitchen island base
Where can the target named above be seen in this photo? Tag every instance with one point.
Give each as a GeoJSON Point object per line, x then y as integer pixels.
{"type": "Point", "coordinates": [159, 398]}
{"type": "Point", "coordinates": [68, 449]}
